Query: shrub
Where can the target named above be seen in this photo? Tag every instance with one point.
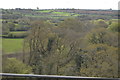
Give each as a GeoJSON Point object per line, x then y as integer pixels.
{"type": "Point", "coordinates": [12, 65]}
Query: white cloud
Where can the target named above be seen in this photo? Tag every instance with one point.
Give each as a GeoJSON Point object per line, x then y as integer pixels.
{"type": "Point", "coordinates": [48, 4]}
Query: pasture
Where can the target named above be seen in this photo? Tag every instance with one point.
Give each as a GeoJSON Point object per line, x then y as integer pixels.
{"type": "Point", "coordinates": [12, 45]}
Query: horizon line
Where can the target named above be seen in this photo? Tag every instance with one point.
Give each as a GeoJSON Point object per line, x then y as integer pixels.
{"type": "Point", "coordinates": [59, 8]}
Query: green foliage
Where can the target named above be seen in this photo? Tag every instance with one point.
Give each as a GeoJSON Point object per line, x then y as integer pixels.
{"type": "Point", "coordinates": [100, 61]}
{"type": "Point", "coordinates": [115, 27]}
{"type": "Point", "coordinates": [96, 36]}
{"type": "Point", "coordinates": [50, 47]}
{"type": "Point", "coordinates": [102, 36]}
{"type": "Point", "coordinates": [12, 65]}
{"type": "Point", "coordinates": [69, 47]}
{"type": "Point", "coordinates": [72, 24]}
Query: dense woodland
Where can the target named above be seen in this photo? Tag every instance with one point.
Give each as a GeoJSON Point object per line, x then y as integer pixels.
{"type": "Point", "coordinates": [61, 42]}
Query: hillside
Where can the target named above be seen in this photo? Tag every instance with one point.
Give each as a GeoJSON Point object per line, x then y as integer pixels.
{"type": "Point", "coordinates": [74, 42]}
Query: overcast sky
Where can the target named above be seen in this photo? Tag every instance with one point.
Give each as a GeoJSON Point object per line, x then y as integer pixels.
{"type": "Point", "coordinates": [52, 4]}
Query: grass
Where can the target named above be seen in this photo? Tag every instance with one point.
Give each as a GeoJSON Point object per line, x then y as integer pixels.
{"type": "Point", "coordinates": [12, 45]}
{"type": "Point", "coordinates": [18, 32]}
{"type": "Point", "coordinates": [1, 19]}
{"type": "Point", "coordinates": [62, 13]}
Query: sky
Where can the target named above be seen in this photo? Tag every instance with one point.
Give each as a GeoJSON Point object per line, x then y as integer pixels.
{"type": "Point", "coordinates": [53, 4]}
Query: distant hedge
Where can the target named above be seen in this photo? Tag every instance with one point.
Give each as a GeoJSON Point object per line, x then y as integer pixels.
{"type": "Point", "coordinates": [16, 35]}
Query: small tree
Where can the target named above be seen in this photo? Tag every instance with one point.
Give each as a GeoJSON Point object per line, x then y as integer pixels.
{"type": "Point", "coordinates": [100, 61]}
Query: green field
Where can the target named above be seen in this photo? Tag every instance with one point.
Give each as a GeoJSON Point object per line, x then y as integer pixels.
{"type": "Point", "coordinates": [12, 45]}
{"type": "Point", "coordinates": [62, 13]}
{"type": "Point", "coordinates": [18, 32]}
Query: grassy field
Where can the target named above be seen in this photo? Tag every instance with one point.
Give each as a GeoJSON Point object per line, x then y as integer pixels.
{"type": "Point", "coordinates": [12, 45]}
{"type": "Point", "coordinates": [62, 13]}
{"type": "Point", "coordinates": [18, 32]}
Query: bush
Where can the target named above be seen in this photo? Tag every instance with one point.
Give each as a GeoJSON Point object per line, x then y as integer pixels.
{"type": "Point", "coordinates": [12, 65]}
{"type": "Point", "coordinates": [115, 27]}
